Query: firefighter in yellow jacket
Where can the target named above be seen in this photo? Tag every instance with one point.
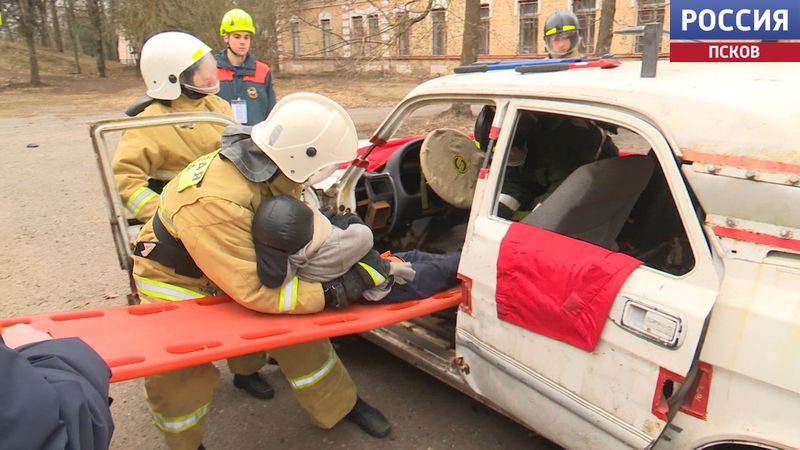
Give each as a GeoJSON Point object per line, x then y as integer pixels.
{"type": "Point", "coordinates": [199, 243]}
{"type": "Point", "coordinates": [180, 73]}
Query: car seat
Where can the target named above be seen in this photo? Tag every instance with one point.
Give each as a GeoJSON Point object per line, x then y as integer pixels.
{"type": "Point", "coordinates": [595, 200]}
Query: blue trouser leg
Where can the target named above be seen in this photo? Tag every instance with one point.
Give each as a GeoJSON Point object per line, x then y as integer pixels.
{"type": "Point", "coordinates": [435, 273]}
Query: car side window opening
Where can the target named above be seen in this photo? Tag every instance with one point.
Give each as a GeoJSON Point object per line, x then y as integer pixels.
{"type": "Point", "coordinates": [593, 181]}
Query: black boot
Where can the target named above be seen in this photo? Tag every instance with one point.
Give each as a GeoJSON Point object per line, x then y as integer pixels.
{"type": "Point", "coordinates": [254, 385]}
{"type": "Point", "coordinates": [369, 419]}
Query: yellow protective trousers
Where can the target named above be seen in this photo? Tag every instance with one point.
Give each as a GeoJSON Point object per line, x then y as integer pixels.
{"type": "Point", "coordinates": [180, 400]}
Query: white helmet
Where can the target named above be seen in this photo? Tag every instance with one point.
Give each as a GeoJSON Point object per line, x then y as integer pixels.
{"type": "Point", "coordinates": [306, 133]}
{"type": "Point", "coordinates": [166, 56]}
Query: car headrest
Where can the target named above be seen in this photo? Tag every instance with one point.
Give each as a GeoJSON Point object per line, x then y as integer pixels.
{"type": "Point", "coordinates": [483, 126]}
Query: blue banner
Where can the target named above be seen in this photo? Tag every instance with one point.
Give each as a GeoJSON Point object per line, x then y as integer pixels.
{"type": "Point", "coordinates": [734, 19]}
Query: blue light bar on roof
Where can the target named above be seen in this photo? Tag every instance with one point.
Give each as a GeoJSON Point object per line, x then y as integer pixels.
{"type": "Point", "coordinates": [513, 64]}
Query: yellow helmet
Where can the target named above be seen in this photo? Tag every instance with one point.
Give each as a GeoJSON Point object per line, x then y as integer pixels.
{"type": "Point", "coordinates": [236, 20]}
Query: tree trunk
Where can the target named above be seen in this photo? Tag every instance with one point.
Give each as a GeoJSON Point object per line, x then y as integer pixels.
{"type": "Point", "coordinates": [471, 38]}
{"type": "Point", "coordinates": [73, 34]}
{"type": "Point", "coordinates": [270, 22]}
{"type": "Point", "coordinates": [58, 43]}
{"type": "Point", "coordinates": [111, 31]}
{"type": "Point", "coordinates": [43, 22]}
{"type": "Point", "coordinates": [469, 44]}
{"type": "Point", "coordinates": [27, 29]}
{"type": "Point", "coordinates": [96, 18]}
{"type": "Point", "coordinates": [605, 32]}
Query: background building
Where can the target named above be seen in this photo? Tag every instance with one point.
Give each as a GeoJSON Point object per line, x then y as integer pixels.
{"type": "Point", "coordinates": [405, 36]}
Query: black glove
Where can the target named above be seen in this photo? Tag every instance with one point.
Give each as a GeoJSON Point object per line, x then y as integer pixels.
{"type": "Point", "coordinates": [373, 259]}
{"type": "Point", "coordinates": [345, 220]}
{"type": "Point", "coordinates": [348, 288]}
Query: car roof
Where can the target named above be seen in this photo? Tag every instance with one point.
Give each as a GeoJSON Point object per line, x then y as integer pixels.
{"type": "Point", "coordinates": [749, 110]}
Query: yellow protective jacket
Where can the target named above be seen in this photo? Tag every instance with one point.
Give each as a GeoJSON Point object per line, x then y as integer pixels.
{"type": "Point", "coordinates": [210, 208]}
{"type": "Point", "coordinates": [161, 152]}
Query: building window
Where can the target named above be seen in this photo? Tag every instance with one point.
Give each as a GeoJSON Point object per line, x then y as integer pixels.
{"type": "Point", "coordinates": [295, 39]}
{"type": "Point", "coordinates": [483, 45]}
{"type": "Point", "coordinates": [650, 11]}
{"type": "Point", "coordinates": [586, 10]}
{"type": "Point", "coordinates": [357, 36]}
{"type": "Point", "coordinates": [528, 26]}
{"type": "Point", "coordinates": [403, 34]}
{"type": "Point", "coordinates": [325, 24]}
{"type": "Point", "coordinates": [374, 32]}
{"type": "Point", "coordinates": [438, 32]}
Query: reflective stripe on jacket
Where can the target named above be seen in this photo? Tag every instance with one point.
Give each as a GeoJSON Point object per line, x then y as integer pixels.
{"type": "Point", "coordinates": [164, 291]}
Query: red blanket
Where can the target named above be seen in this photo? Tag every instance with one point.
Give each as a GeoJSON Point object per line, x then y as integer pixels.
{"type": "Point", "coordinates": [557, 286]}
{"type": "Point", "coordinates": [377, 159]}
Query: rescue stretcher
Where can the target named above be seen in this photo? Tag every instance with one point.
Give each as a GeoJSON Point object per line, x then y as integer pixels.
{"type": "Point", "coordinates": [142, 340]}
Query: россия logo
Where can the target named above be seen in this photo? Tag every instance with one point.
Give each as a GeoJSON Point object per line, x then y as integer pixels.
{"type": "Point", "coordinates": [711, 26]}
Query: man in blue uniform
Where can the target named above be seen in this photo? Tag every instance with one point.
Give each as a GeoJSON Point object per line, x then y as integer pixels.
{"type": "Point", "coordinates": [54, 393]}
{"type": "Point", "coordinates": [244, 82]}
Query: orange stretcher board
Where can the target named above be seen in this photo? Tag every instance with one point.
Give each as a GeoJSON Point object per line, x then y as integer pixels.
{"type": "Point", "coordinates": [144, 340]}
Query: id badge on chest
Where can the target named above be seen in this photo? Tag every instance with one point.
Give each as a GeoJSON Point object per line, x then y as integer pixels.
{"type": "Point", "coordinates": [239, 107]}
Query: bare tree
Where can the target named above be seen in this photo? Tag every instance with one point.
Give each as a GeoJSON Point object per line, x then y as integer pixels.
{"type": "Point", "coordinates": [271, 22]}
{"type": "Point", "coordinates": [396, 18]}
{"type": "Point", "coordinates": [95, 17]}
{"type": "Point", "coordinates": [268, 16]}
{"type": "Point", "coordinates": [108, 8]}
{"type": "Point", "coordinates": [469, 45]}
{"type": "Point", "coordinates": [8, 18]}
{"type": "Point", "coordinates": [140, 19]}
{"type": "Point", "coordinates": [26, 24]}
{"type": "Point", "coordinates": [40, 11]}
{"type": "Point", "coordinates": [58, 43]}
{"type": "Point", "coordinates": [605, 30]}
{"type": "Point", "coordinates": [471, 38]}
{"type": "Point", "coordinates": [73, 33]}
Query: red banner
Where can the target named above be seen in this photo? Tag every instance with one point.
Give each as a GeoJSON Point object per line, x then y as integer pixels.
{"type": "Point", "coordinates": [731, 51]}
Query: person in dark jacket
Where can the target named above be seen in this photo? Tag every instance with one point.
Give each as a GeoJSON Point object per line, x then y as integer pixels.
{"type": "Point", "coordinates": [54, 393]}
{"type": "Point", "coordinates": [245, 82]}
{"type": "Point", "coordinates": [545, 150]}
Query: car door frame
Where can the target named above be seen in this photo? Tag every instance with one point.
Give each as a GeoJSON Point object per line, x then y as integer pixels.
{"type": "Point", "coordinates": [478, 324]}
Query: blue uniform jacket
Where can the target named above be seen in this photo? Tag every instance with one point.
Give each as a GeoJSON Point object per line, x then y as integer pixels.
{"type": "Point", "coordinates": [54, 395]}
{"type": "Point", "coordinates": [251, 82]}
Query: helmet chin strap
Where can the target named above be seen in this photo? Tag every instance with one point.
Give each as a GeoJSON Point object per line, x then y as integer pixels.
{"type": "Point", "coordinates": [194, 95]}
{"type": "Point", "coordinates": [234, 52]}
